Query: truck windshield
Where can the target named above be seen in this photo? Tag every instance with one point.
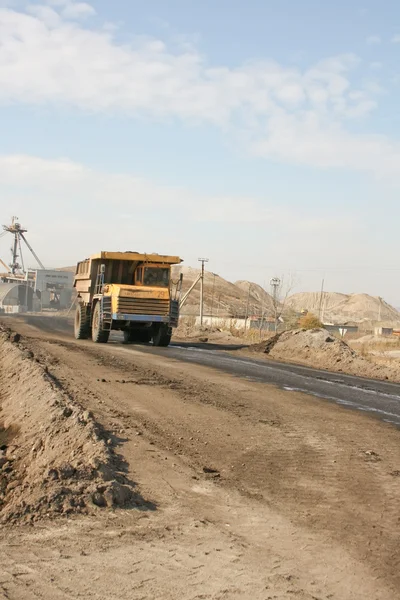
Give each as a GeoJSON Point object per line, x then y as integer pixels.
{"type": "Point", "coordinates": [155, 276]}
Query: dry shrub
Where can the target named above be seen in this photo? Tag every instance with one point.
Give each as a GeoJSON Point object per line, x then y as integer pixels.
{"type": "Point", "coordinates": [310, 321]}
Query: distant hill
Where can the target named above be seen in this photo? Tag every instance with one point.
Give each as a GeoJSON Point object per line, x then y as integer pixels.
{"type": "Point", "coordinates": [222, 297]}
{"type": "Point", "coordinates": [69, 269]}
{"type": "Point", "coordinates": [336, 307]}
{"type": "Point", "coordinates": [259, 296]}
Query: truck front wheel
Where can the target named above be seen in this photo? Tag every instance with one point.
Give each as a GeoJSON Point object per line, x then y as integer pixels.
{"type": "Point", "coordinates": [162, 336]}
{"type": "Point", "coordinates": [99, 335]}
{"type": "Point", "coordinates": [82, 322]}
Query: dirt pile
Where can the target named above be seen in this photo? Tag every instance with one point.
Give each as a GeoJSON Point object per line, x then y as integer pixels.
{"type": "Point", "coordinates": [318, 348]}
{"type": "Point", "coordinates": [54, 458]}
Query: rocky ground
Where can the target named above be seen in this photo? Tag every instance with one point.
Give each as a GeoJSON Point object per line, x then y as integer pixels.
{"type": "Point", "coordinates": [320, 349]}
{"type": "Point", "coordinates": [234, 489]}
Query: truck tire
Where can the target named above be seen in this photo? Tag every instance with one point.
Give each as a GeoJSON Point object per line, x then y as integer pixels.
{"type": "Point", "coordinates": [129, 336]}
{"type": "Point", "coordinates": [132, 336]}
{"type": "Point", "coordinates": [99, 335]}
{"type": "Point", "coordinates": [82, 322]}
{"type": "Point", "coordinates": [145, 336]}
{"type": "Point", "coordinates": [162, 336]}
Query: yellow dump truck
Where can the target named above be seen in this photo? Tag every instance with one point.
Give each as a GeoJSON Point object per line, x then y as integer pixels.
{"type": "Point", "coordinates": [130, 292]}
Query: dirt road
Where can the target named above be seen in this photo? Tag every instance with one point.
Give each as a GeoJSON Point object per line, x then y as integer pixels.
{"type": "Point", "coordinates": [249, 491]}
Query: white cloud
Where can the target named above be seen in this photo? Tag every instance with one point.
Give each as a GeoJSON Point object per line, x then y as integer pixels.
{"type": "Point", "coordinates": [288, 114]}
{"type": "Point", "coordinates": [78, 10]}
{"type": "Point", "coordinates": [45, 14]}
{"type": "Point", "coordinates": [373, 39]}
{"type": "Point", "coordinates": [41, 182]}
{"type": "Point", "coordinates": [78, 206]}
{"type": "Point", "coordinates": [395, 39]}
{"type": "Point", "coordinates": [305, 141]}
{"type": "Point", "coordinates": [68, 183]}
{"type": "Point", "coordinates": [376, 65]}
{"type": "Point", "coordinates": [71, 9]}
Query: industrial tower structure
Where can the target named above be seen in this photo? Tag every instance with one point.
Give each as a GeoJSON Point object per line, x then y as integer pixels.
{"type": "Point", "coordinates": [18, 232]}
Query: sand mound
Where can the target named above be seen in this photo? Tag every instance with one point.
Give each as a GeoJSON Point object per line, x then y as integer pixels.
{"type": "Point", "coordinates": [318, 348]}
{"type": "Point", "coordinates": [54, 458]}
{"type": "Point", "coordinates": [316, 343]}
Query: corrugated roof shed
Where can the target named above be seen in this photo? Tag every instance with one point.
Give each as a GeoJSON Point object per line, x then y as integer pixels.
{"type": "Point", "coordinates": [6, 288]}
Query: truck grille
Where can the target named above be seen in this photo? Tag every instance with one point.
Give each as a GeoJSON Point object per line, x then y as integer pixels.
{"type": "Point", "coordinates": [143, 306]}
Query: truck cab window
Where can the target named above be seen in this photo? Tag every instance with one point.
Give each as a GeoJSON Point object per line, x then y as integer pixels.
{"type": "Point", "coordinates": [157, 277]}
{"type": "Point", "coordinates": [139, 275]}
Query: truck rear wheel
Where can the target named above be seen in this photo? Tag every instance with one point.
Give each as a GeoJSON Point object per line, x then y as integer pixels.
{"type": "Point", "coordinates": [162, 336]}
{"type": "Point", "coordinates": [99, 335]}
{"type": "Point", "coordinates": [145, 335]}
{"type": "Point", "coordinates": [137, 335]}
{"type": "Point", "coordinates": [82, 322]}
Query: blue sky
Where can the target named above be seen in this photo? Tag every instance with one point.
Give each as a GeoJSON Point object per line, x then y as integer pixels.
{"type": "Point", "coordinates": [262, 134]}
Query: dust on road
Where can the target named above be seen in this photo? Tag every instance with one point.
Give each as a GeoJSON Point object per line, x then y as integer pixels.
{"type": "Point", "coordinates": [258, 492]}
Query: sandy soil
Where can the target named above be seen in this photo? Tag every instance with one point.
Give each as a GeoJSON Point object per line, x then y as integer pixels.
{"type": "Point", "coordinates": [247, 491]}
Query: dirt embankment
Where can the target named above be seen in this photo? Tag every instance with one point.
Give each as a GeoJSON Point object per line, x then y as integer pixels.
{"type": "Point", "coordinates": [319, 349]}
{"type": "Point", "coordinates": [54, 458]}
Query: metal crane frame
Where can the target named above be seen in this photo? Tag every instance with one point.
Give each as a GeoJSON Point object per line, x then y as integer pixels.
{"type": "Point", "coordinates": [18, 232]}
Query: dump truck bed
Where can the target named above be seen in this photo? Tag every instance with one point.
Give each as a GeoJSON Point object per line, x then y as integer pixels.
{"type": "Point", "coordinates": [137, 256]}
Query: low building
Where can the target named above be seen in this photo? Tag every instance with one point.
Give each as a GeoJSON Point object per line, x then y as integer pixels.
{"type": "Point", "coordinates": [341, 329]}
{"type": "Point", "coordinates": [383, 331]}
{"type": "Point", "coordinates": [224, 322]}
{"type": "Point", "coordinates": [53, 288]}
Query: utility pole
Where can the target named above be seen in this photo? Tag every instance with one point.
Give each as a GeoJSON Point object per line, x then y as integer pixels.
{"type": "Point", "coordinates": [247, 307]}
{"type": "Point", "coordinates": [320, 315]}
{"type": "Point", "coordinates": [202, 260]}
{"type": "Point", "coordinates": [261, 324]}
{"type": "Point", "coordinates": [275, 284]}
{"type": "Point", "coordinates": [212, 302]}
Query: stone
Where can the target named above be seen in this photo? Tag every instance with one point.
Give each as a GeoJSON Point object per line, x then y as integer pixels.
{"type": "Point", "coordinates": [53, 475]}
{"type": "Point", "coordinates": [12, 485]}
{"type": "Point", "coordinates": [67, 471]}
{"type": "Point", "coordinates": [99, 500]}
{"type": "Point", "coordinates": [117, 494]}
{"type": "Point", "coordinates": [87, 416]}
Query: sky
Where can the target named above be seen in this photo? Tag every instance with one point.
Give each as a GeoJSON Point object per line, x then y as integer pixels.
{"type": "Point", "coordinates": [262, 134]}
